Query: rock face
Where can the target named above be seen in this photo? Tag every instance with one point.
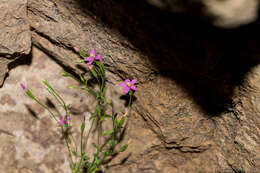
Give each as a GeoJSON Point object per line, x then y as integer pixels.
{"type": "Point", "coordinates": [225, 14]}
{"type": "Point", "coordinates": [197, 104]}
{"type": "Point", "coordinates": [14, 32]}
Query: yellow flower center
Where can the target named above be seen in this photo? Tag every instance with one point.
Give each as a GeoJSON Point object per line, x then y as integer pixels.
{"type": "Point", "coordinates": [92, 55]}
{"type": "Point", "coordinates": [128, 84]}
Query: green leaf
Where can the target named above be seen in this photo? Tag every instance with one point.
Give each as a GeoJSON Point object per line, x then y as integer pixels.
{"type": "Point", "coordinates": [115, 123]}
{"type": "Point", "coordinates": [82, 53]}
{"type": "Point", "coordinates": [30, 94]}
{"type": "Point", "coordinates": [74, 152]}
{"type": "Point", "coordinates": [65, 74]}
{"type": "Point", "coordinates": [73, 87]}
{"type": "Point", "coordinates": [80, 61]}
{"type": "Point", "coordinates": [47, 84]}
{"type": "Point", "coordinates": [109, 132]}
{"type": "Point", "coordinates": [94, 73]}
{"type": "Point", "coordinates": [124, 148]}
{"type": "Point", "coordinates": [99, 111]}
{"type": "Point", "coordinates": [107, 116]}
{"type": "Point", "coordinates": [121, 122]}
{"type": "Point", "coordinates": [110, 103]}
{"type": "Point", "coordinates": [50, 91]}
{"type": "Point", "coordinates": [86, 157]}
{"type": "Point", "coordinates": [101, 67]}
{"type": "Point", "coordinates": [88, 165]}
{"type": "Point", "coordinates": [96, 146]}
{"type": "Point", "coordinates": [114, 143]}
{"type": "Point", "coordinates": [83, 127]}
{"type": "Point", "coordinates": [92, 116]}
{"type": "Point", "coordinates": [82, 78]}
{"type": "Point", "coordinates": [98, 161]}
{"type": "Point", "coordinates": [107, 153]}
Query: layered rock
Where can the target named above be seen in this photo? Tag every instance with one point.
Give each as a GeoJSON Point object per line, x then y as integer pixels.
{"type": "Point", "coordinates": [197, 104]}
{"type": "Point", "coordinates": [14, 32]}
{"type": "Point", "coordinates": [225, 14]}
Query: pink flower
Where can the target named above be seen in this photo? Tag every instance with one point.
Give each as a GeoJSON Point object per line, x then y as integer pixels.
{"type": "Point", "coordinates": [23, 86]}
{"type": "Point", "coordinates": [92, 56]}
{"type": "Point", "coordinates": [76, 49]}
{"type": "Point", "coordinates": [129, 85]}
{"type": "Point", "coordinates": [64, 120]}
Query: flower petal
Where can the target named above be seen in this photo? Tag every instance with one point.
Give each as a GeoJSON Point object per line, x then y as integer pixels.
{"type": "Point", "coordinates": [23, 86]}
{"type": "Point", "coordinates": [92, 52]}
{"type": "Point", "coordinates": [99, 58]}
{"type": "Point", "coordinates": [133, 88]}
{"type": "Point", "coordinates": [76, 49]}
{"type": "Point", "coordinates": [134, 81]}
{"type": "Point", "coordinates": [123, 85]}
{"type": "Point", "coordinates": [61, 121]}
{"type": "Point", "coordinates": [127, 80]}
{"type": "Point", "coordinates": [126, 90]}
{"type": "Point", "coordinates": [90, 63]}
{"type": "Point", "coordinates": [88, 58]}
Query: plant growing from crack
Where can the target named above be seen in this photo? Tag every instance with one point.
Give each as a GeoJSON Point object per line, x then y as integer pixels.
{"type": "Point", "coordinates": [80, 160]}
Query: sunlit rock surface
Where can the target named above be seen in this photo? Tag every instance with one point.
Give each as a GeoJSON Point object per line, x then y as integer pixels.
{"type": "Point", "coordinates": [197, 104]}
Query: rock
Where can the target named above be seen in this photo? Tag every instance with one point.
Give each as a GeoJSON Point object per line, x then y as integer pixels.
{"type": "Point", "coordinates": [14, 32]}
{"type": "Point", "coordinates": [224, 14]}
{"type": "Point", "coordinates": [197, 104]}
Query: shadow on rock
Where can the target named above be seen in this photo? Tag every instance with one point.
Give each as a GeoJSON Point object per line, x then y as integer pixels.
{"type": "Point", "coordinates": [208, 62]}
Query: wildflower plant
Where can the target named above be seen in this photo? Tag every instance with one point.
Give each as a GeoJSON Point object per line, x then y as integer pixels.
{"type": "Point", "coordinates": [80, 160]}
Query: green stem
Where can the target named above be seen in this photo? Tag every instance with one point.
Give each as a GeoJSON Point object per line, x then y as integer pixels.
{"type": "Point", "coordinates": [81, 149]}
{"type": "Point", "coordinates": [45, 107]}
{"type": "Point", "coordinates": [130, 99]}
{"type": "Point", "coordinates": [68, 146]}
{"type": "Point", "coordinates": [91, 126]}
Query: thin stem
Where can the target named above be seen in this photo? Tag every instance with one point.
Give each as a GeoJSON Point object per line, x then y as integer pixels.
{"type": "Point", "coordinates": [81, 149]}
{"type": "Point", "coordinates": [68, 146]}
{"type": "Point", "coordinates": [45, 107]}
{"type": "Point", "coordinates": [91, 126]}
{"type": "Point", "coordinates": [130, 100]}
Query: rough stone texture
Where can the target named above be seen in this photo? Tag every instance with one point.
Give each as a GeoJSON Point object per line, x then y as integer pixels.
{"type": "Point", "coordinates": [197, 105]}
{"type": "Point", "coordinates": [225, 14]}
{"type": "Point", "coordinates": [14, 33]}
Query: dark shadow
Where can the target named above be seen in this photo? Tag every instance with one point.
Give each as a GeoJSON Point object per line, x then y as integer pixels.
{"type": "Point", "coordinates": [6, 132]}
{"type": "Point", "coordinates": [207, 62]}
{"type": "Point", "coordinates": [31, 111]}
{"type": "Point", "coordinates": [50, 104]}
{"type": "Point", "coordinates": [21, 60]}
{"type": "Point", "coordinates": [126, 98]}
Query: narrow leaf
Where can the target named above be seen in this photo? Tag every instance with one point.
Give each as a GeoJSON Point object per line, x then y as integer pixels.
{"type": "Point", "coordinates": [94, 73]}
{"type": "Point", "coordinates": [121, 122]}
{"type": "Point", "coordinates": [82, 78]}
{"type": "Point", "coordinates": [82, 53]}
{"type": "Point", "coordinates": [124, 148]}
{"type": "Point", "coordinates": [73, 87]}
{"type": "Point", "coordinates": [83, 127]}
{"type": "Point", "coordinates": [109, 132]}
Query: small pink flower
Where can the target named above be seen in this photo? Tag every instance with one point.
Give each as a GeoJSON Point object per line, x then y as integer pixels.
{"type": "Point", "coordinates": [129, 85]}
{"type": "Point", "coordinates": [64, 120]}
{"type": "Point", "coordinates": [23, 86]}
{"type": "Point", "coordinates": [76, 49]}
{"type": "Point", "coordinates": [92, 56]}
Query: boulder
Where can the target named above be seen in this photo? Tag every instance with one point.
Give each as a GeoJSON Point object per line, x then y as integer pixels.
{"type": "Point", "coordinates": [14, 32]}
{"type": "Point", "coordinates": [224, 14]}
{"type": "Point", "coordinates": [197, 104]}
